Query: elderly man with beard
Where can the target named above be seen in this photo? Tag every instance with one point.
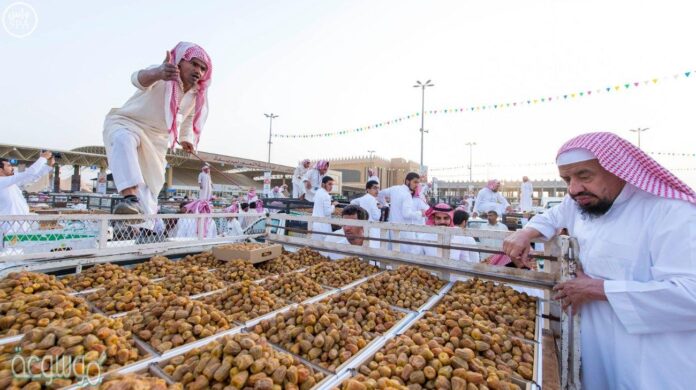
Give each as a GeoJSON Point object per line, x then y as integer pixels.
{"type": "Point", "coordinates": [636, 226]}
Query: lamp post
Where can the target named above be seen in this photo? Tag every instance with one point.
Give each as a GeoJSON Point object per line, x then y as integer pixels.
{"type": "Point", "coordinates": [422, 86]}
{"type": "Point", "coordinates": [471, 161]}
{"type": "Point", "coordinates": [270, 117]}
{"type": "Point", "coordinates": [639, 130]}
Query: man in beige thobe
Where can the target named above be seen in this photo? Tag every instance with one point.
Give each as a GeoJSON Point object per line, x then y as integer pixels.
{"type": "Point", "coordinates": [137, 135]}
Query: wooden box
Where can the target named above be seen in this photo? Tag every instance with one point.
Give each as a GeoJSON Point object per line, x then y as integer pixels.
{"type": "Point", "coordinates": [252, 256]}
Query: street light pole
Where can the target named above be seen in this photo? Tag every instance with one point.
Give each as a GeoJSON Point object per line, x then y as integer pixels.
{"type": "Point", "coordinates": [639, 130]}
{"type": "Point", "coordinates": [270, 117]}
{"type": "Point", "coordinates": [372, 160]}
{"type": "Point", "coordinates": [422, 86]}
{"type": "Point", "coordinates": [471, 161]}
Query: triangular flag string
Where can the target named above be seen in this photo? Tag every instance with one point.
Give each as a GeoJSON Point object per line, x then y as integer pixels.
{"type": "Point", "coordinates": [575, 95]}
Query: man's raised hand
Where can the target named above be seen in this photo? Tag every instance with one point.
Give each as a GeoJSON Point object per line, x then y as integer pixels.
{"type": "Point", "coordinates": [187, 146]}
{"type": "Point", "coordinates": [169, 71]}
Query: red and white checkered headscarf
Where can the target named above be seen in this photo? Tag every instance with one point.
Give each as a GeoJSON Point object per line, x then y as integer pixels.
{"type": "Point", "coordinates": [187, 51]}
{"type": "Point", "coordinates": [321, 164]}
{"type": "Point", "coordinates": [442, 208]}
{"type": "Point", "coordinates": [631, 164]}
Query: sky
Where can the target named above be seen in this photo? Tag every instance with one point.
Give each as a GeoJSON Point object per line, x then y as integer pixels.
{"type": "Point", "coordinates": [330, 65]}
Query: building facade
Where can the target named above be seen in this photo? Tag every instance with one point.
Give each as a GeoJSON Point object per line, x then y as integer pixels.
{"type": "Point", "coordinates": [354, 171]}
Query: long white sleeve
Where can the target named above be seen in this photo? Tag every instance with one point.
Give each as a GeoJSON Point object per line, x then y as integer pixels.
{"type": "Point", "coordinates": [479, 202]}
{"type": "Point", "coordinates": [327, 206]}
{"type": "Point", "coordinates": [554, 218]}
{"type": "Point", "coordinates": [373, 210]}
{"type": "Point", "coordinates": [186, 129]}
{"type": "Point", "coordinates": [503, 200]}
{"type": "Point", "coordinates": [297, 175]}
{"type": "Point", "coordinates": [382, 196]}
{"type": "Point", "coordinates": [31, 174]}
{"type": "Point", "coordinates": [667, 303]}
{"type": "Point", "coordinates": [408, 211]}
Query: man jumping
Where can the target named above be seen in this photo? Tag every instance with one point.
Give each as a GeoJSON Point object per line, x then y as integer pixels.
{"type": "Point", "coordinates": [137, 135]}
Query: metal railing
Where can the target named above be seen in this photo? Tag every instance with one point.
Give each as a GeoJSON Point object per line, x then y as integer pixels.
{"type": "Point", "coordinates": [49, 237]}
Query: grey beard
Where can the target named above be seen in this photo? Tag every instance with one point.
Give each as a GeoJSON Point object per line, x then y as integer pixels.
{"type": "Point", "coordinates": [596, 210]}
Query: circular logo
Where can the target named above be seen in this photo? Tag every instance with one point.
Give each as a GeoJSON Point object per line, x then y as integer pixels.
{"type": "Point", "coordinates": [20, 19]}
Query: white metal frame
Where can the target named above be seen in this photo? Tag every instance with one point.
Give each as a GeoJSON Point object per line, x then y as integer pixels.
{"type": "Point", "coordinates": [441, 264]}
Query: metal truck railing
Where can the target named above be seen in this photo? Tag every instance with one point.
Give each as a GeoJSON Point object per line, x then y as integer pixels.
{"type": "Point", "coordinates": [561, 266]}
{"type": "Point", "coordinates": [52, 242]}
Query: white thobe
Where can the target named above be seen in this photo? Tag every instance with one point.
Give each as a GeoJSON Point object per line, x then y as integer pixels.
{"type": "Point", "coordinates": [526, 191]}
{"type": "Point", "coordinates": [314, 177]}
{"type": "Point", "coordinates": [463, 255]}
{"type": "Point", "coordinates": [205, 184]}
{"type": "Point", "coordinates": [402, 210]}
{"type": "Point", "coordinates": [322, 208]}
{"type": "Point", "coordinates": [487, 200]}
{"type": "Point", "coordinates": [369, 203]}
{"type": "Point", "coordinates": [337, 240]}
{"type": "Point", "coordinates": [455, 254]}
{"type": "Point", "coordinates": [12, 201]}
{"type": "Point", "coordinates": [492, 242]}
{"type": "Point", "coordinates": [234, 228]}
{"type": "Point", "coordinates": [297, 183]}
{"type": "Point", "coordinates": [469, 204]}
{"type": "Point", "coordinates": [644, 247]}
{"type": "Point", "coordinates": [136, 138]}
{"type": "Point", "coordinates": [188, 228]}
{"type": "Point", "coordinates": [420, 205]}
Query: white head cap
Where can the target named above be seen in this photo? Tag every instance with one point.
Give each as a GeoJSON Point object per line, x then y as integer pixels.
{"type": "Point", "coordinates": [574, 156]}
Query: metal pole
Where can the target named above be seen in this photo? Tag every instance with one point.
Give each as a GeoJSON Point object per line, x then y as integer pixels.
{"type": "Point", "coordinates": [471, 163]}
{"type": "Point", "coordinates": [639, 130]}
{"type": "Point", "coordinates": [422, 129]}
{"type": "Point", "coordinates": [422, 86]}
{"type": "Point", "coordinates": [270, 133]}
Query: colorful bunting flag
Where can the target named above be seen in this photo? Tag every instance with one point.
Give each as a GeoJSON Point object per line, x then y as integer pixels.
{"type": "Point", "coordinates": [572, 95]}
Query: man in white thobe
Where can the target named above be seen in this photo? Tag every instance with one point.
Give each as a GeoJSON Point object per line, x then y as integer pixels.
{"type": "Point", "coordinates": [251, 196]}
{"type": "Point", "coordinates": [12, 200]}
{"type": "Point", "coordinates": [137, 135]}
{"type": "Point", "coordinates": [636, 293]}
{"type": "Point", "coordinates": [401, 209]}
{"type": "Point", "coordinates": [460, 219]}
{"type": "Point", "coordinates": [444, 215]}
{"type": "Point", "coordinates": [371, 176]}
{"type": "Point", "coordinates": [370, 203]}
{"type": "Point", "coordinates": [313, 178]}
{"type": "Point", "coordinates": [205, 183]}
{"type": "Point", "coordinates": [323, 207]}
{"type": "Point", "coordinates": [526, 191]}
{"type": "Point", "coordinates": [490, 199]}
{"type": "Point", "coordinates": [298, 187]}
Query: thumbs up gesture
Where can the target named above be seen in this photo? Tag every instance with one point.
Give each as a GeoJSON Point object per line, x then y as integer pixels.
{"type": "Point", "coordinates": [168, 71]}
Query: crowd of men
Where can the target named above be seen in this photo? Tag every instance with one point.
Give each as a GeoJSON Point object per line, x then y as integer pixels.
{"type": "Point", "coordinates": [634, 220]}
